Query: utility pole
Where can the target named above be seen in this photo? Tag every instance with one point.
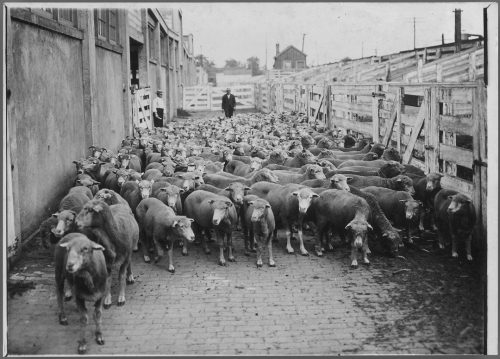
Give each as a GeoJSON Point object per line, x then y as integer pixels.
{"type": "Point", "coordinates": [414, 47]}
{"type": "Point", "coordinates": [303, 37]}
{"type": "Point", "coordinates": [362, 49]}
{"type": "Point", "coordinates": [375, 52]}
{"type": "Point", "coordinates": [266, 52]}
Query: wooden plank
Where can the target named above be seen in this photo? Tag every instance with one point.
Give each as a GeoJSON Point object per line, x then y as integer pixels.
{"type": "Point", "coordinates": [457, 94]}
{"type": "Point", "coordinates": [462, 125]}
{"type": "Point", "coordinates": [398, 117]}
{"type": "Point", "coordinates": [456, 184]}
{"type": "Point", "coordinates": [375, 117]}
{"type": "Point", "coordinates": [422, 114]}
{"type": "Point", "coordinates": [392, 121]}
{"type": "Point", "coordinates": [458, 155]}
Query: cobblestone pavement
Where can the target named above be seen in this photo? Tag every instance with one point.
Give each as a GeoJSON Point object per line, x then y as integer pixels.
{"type": "Point", "coordinates": [421, 304]}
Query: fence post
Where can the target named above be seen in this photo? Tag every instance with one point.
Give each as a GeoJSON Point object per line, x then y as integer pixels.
{"type": "Point", "coordinates": [375, 117]}
{"type": "Point", "coordinates": [419, 70]}
{"type": "Point", "coordinates": [480, 158]}
{"type": "Point", "coordinates": [472, 66]}
{"type": "Point", "coordinates": [398, 116]}
{"type": "Point", "coordinates": [431, 127]}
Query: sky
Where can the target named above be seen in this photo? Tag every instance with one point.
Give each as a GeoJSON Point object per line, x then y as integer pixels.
{"type": "Point", "coordinates": [333, 30]}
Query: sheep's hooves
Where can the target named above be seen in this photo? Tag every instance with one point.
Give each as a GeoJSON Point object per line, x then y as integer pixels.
{"type": "Point", "coordinates": [147, 259]}
{"type": "Point", "coordinates": [272, 265]}
{"type": "Point", "coordinates": [247, 253]}
{"type": "Point", "coordinates": [120, 304]}
{"type": "Point", "coordinates": [231, 259]}
{"type": "Point", "coordinates": [99, 340]}
{"type": "Point", "coordinates": [184, 254]}
{"type": "Point", "coordinates": [222, 263]}
{"type": "Point", "coordinates": [207, 251]}
{"type": "Point", "coordinates": [63, 321]}
{"type": "Point", "coordinates": [68, 298]}
{"type": "Point", "coordinates": [82, 348]}
{"type": "Point", "coordinates": [130, 281]}
{"type": "Point", "coordinates": [171, 270]}
{"type": "Point", "coordinates": [306, 254]}
{"type": "Point", "coordinates": [354, 266]}
{"type": "Point", "coordinates": [106, 306]}
{"type": "Point", "coordinates": [366, 263]}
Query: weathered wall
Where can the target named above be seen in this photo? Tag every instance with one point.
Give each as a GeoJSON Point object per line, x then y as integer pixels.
{"type": "Point", "coordinates": [47, 108]}
{"type": "Point", "coordinates": [110, 116]}
{"type": "Point", "coordinates": [152, 78]}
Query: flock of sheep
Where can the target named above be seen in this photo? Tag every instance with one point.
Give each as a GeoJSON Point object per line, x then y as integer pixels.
{"type": "Point", "coordinates": [255, 173]}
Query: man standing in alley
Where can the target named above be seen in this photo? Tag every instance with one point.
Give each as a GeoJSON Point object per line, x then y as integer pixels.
{"type": "Point", "coordinates": [228, 103]}
{"type": "Point", "coordinates": [158, 109]}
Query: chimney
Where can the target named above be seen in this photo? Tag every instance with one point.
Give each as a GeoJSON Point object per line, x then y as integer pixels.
{"type": "Point", "coordinates": [277, 49]}
{"type": "Point", "coordinates": [458, 30]}
{"type": "Point", "coordinates": [442, 39]}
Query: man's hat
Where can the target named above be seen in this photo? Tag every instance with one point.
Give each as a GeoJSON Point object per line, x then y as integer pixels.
{"type": "Point", "coordinates": [159, 92]}
{"type": "Point", "coordinates": [228, 89]}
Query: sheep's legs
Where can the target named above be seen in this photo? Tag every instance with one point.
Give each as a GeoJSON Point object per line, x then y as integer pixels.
{"type": "Point", "coordinates": [63, 320]}
{"type": "Point", "coordinates": [98, 321]}
{"type": "Point", "coordinates": [107, 296]}
{"type": "Point", "coordinates": [122, 281]}
{"type": "Point", "coordinates": [82, 343]}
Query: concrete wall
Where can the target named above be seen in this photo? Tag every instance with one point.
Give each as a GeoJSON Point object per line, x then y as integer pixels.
{"type": "Point", "coordinates": [46, 107]}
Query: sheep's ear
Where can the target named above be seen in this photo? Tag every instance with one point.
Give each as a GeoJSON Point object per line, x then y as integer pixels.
{"type": "Point", "coordinates": [211, 201]}
{"type": "Point", "coordinates": [78, 181]}
{"type": "Point", "coordinates": [64, 245]}
{"type": "Point", "coordinates": [251, 203]}
{"type": "Point", "coordinates": [348, 226]}
{"type": "Point", "coordinates": [247, 189]}
{"type": "Point", "coordinates": [176, 222]}
{"type": "Point", "coordinates": [137, 181]}
{"type": "Point", "coordinates": [228, 189]}
{"type": "Point", "coordinates": [55, 214]}
{"type": "Point", "coordinates": [268, 206]}
{"type": "Point", "coordinates": [97, 247]}
{"type": "Point", "coordinates": [95, 182]}
{"type": "Point", "coordinates": [399, 180]}
{"type": "Point", "coordinates": [229, 203]}
{"type": "Point", "coordinates": [190, 219]}
{"type": "Point", "coordinates": [152, 181]}
{"type": "Point", "coordinates": [370, 227]}
{"type": "Point", "coordinates": [315, 195]}
{"type": "Point", "coordinates": [295, 193]}
{"type": "Point", "coordinates": [403, 200]}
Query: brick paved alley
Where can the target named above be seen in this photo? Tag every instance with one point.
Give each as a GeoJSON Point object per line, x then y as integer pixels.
{"type": "Point", "coordinates": [306, 305]}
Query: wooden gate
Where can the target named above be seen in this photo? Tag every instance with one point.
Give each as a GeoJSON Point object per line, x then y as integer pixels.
{"type": "Point", "coordinates": [209, 98]}
{"type": "Point", "coordinates": [141, 108]}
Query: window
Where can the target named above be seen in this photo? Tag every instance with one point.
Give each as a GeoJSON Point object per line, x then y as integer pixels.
{"type": "Point", "coordinates": [152, 43]}
{"type": "Point", "coordinates": [63, 16]}
{"type": "Point", "coordinates": [164, 48]}
{"type": "Point", "coordinates": [300, 64]}
{"type": "Point", "coordinates": [287, 64]}
{"type": "Point", "coordinates": [106, 24]}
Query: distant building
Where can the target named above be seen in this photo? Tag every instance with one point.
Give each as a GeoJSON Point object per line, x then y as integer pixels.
{"type": "Point", "coordinates": [229, 77]}
{"type": "Point", "coordinates": [290, 59]}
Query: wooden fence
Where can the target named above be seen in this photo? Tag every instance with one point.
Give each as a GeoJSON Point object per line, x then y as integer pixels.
{"type": "Point", "coordinates": [209, 98]}
{"type": "Point", "coordinates": [438, 127]}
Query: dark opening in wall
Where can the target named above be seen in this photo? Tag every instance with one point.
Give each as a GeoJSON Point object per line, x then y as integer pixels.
{"type": "Point", "coordinates": [412, 100]}
{"type": "Point", "coordinates": [465, 173]}
{"type": "Point", "coordinates": [464, 141]}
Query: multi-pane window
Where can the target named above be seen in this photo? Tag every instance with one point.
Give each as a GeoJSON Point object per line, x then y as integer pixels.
{"type": "Point", "coordinates": [107, 25]}
{"type": "Point", "coordinates": [164, 48]}
{"type": "Point", "coordinates": [64, 16]}
{"type": "Point", "coordinates": [152, 42]}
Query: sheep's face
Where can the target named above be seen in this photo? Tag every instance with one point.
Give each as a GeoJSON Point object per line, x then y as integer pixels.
{"type": "Point", "coordinates": [91, 214]}
{"type": "Point", "coordinates": [65, 221]}
{"type": "Point", "coordinates": [80, 251]}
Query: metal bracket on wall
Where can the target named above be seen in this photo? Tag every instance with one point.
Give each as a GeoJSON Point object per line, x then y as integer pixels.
{"type": "Point", "coordinates": [378, 94]}
{"type": "Point", "coordinates": [480, 163]}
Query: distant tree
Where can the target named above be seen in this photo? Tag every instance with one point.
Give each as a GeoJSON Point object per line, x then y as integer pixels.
{"type": "Point", "coordinates": [205, 62]}
{"type": "Point", "coordinates": [345, 59]}
{"type": "Point", "coordinates": [253, 64]}
{"type": "Point", "coordinates": [232, 63]}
